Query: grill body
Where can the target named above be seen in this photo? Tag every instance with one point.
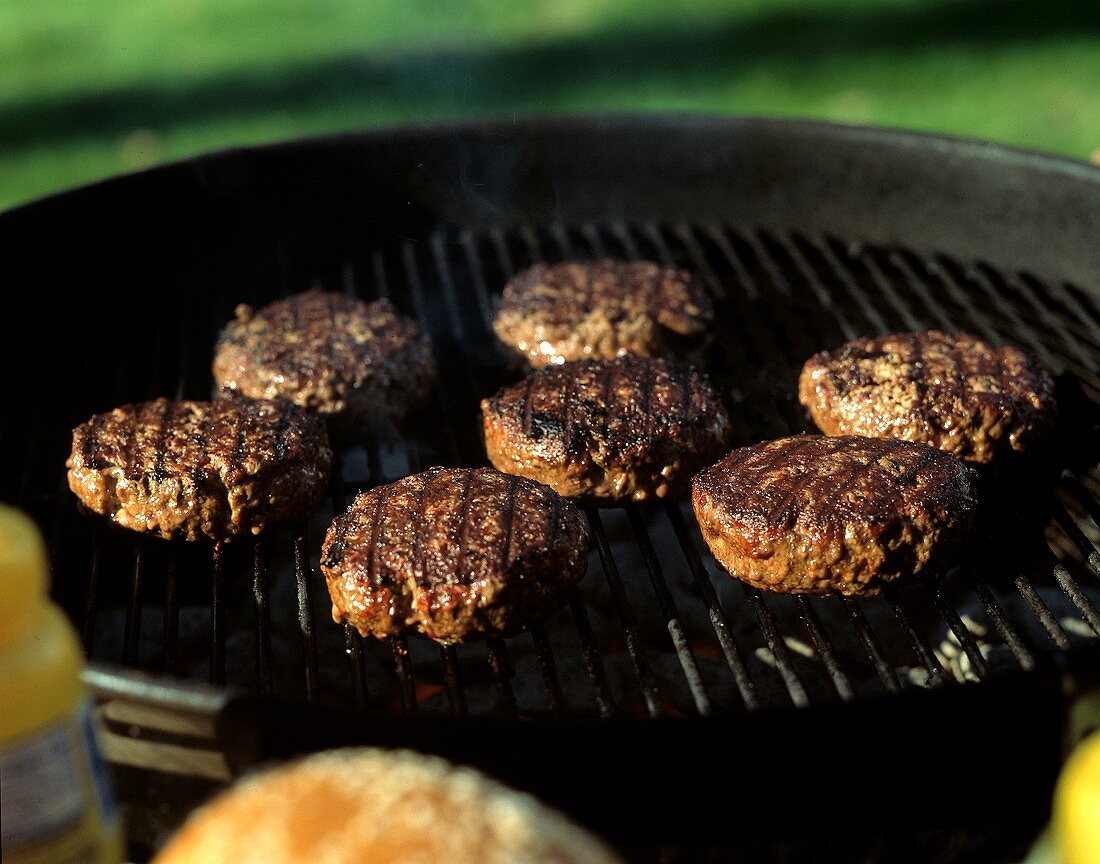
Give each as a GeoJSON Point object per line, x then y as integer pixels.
{"type": "Point", "coordinates": [663, 674]}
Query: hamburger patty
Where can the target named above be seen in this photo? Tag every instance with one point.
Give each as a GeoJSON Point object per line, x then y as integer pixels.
{"type": "Point", "coordinates": [816, 515]}
{"type": "Point", "coordinates": [454, 553]}
{"type": "Point", "coordinates": [630, 428]}
{"type": "Point", "coordinates": [604, 309]}
{"type": "Point", "coordinates": [349, 361]}
{"type": "Point", "coordinates": [977, 401]}
{"type": "Point", "coordinates": [200, 469]}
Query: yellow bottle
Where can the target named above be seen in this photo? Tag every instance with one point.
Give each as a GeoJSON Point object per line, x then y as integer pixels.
{"type": "Point", "coordinates": [56, 802]}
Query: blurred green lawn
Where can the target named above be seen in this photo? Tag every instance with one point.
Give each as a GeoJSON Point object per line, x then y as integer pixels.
{"type": "Point", "coordinates": [90, 88]}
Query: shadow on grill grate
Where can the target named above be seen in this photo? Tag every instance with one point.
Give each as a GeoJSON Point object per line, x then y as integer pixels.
{"type": "Point", "coordinates": [658, 629]}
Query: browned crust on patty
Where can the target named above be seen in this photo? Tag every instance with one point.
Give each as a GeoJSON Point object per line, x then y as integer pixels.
{"type": "Point", "coordinates": [454, 553]}
{"type": "Point", "coordinates": [604, 309]}
{"type": "Point", "coordinates": [815, 515]}
{"type": "Point", "coordinates": [610, 430]}
{"type": "Point", "coordinates": [349, 361]}
{"type": "Point", "coordinates": [977, 401]}
{"type": "Point", "coordinates": [200, 469]}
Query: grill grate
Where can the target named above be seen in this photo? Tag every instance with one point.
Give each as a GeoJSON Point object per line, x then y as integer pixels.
{"type": "Point", "coordinates": [657, 629]}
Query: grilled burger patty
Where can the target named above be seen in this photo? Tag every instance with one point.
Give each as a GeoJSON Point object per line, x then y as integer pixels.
{"type": "Point", "coordinates": [629, 428]}
{"type": "Point", "coordinates": [816, 515]}
{"type": "Point", "coordinates": [454, 553]}
{"type": "Point", "coordinates": [977, 401]}
{"type": "Point", "coordinates": [200, 469]}
{"type": "Point", "coordinates": [349, 361]}
{"type": "Point", "coordinates": [603, 309]}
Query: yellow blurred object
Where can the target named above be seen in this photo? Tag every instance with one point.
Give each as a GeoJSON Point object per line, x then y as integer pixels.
{"type": "Point", "coordinates": [57, 805]}
{"type": "Point", "coordinates": [1076, 822]}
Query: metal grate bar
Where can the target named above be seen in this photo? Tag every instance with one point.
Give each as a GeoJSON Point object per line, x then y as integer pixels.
{"type": "Point", "coordinates": [729, 254]}
{"type": "Point", "coordinates": [452, 680]}
{"type": "Point", "coordinates": [625, 613]}
{"type": "Point", "coordinates": [1000, 621]}
{"type": "Point", "coordinates": [303, 574]}
{"type": "Point", "coordinates": [994, 552]}
{"type": "Point", "coordinates": [699, 260]}
{"type": "Point", "coordinates": [592, 238]}
{"type": "Point", "coordinates": [353, 643]}
{"type": "Point", "coordinates": [920, 288]}
{"type": "Point", "coordinates": [1073, 305]}
{"type": "Point", "coordinates": [1021, 287]}
{"type": "Point", "coordinates": [217, 616]}
{"type": "Point", "coordinates": [776, 646]}
{"type": "Point", "coordinates": [960, 630]}
{"type": "Point", "coordinates": [416, 292]}
{"type": "Point", "coordinates": [554, 697]}
{"type": "Point", "coordinates": [668, 609]}
{"type": "Point", "coordinates": [1061, 575]}
{"type": "Point", "coordinates": [502, 676]}
{"type": "Point", "coordinates": [263, 618]}
{"type": "Point", "coordinates": [132, 633]}
{"type": "Point", "coordinates": [378, 271]}
{"type": "Point", "coordinates": [593, 662]}
{"type": "Point", "coordinates": [353, 647]}
{"type": "Point", "coordinates": [400, 647]}
{"type": "Point", "coordinates": [980, 277]}
{"type": "Point", "coordinates": [758, 242]}
{"type": "Point", "coordinates": [1077, 537]}
{"type": "Point", "coordinates": [477, 272]}
{"type": "Point", "coordinates": [91, 602]}
{"type": "Point", "coordinates": [931, 663]}
{"type": "Point", "coordinates": [824, 648]}
{"type": "Point", "coordinates": [450, 297]}
{"type": "Point", "coordinates": [1076, 488]}
{"type": "Point", "coordinates": [1070, 586]}
{"type": "Point", "coordinates": [171, 616]}
{"type": "Point", "coordinates": [961, 299]}
{"type": "Point", "coordinates": [701, 582]}
{"type": "Point", "coordinates": [884, 670]}
{"type": "Point", "coordinates": [823, 247]}
{"type": "Point", "coordinates": [886, 286]}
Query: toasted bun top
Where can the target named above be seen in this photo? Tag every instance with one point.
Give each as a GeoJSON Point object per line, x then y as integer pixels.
{"type": "Point", "coordinates": [372, 806]}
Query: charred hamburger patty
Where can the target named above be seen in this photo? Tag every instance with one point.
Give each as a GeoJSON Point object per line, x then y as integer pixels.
{"type": "Point", "coordinates": [604, 309]}
{"type": "Point", "coordinates": [974, 400]}
{"type": "Point", "coordinates": [454, 553]}
{"type": "Point", "coordinates": [816, 515]}
{"type": "Point", "coordinates": [630, 428]}
{"type": "Point", "coordinates": [349, 361]}
{"type": "Point", "coordinates": [200, 469]}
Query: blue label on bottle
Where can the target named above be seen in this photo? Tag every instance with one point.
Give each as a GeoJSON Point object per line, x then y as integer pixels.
{"type": "Point", "coordinates": [101, 777]}
{"type": "Point", "coordinates": [42, 793]}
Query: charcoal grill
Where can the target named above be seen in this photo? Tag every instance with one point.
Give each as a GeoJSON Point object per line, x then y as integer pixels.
{"type": "Point", "coordinates": [664, 679]}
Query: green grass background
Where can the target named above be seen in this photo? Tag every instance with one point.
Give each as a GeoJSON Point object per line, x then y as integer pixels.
{"type": "Point", "coordinates": [90, 88]}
